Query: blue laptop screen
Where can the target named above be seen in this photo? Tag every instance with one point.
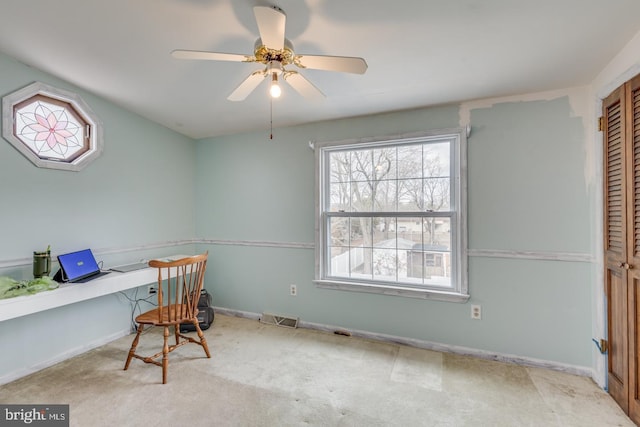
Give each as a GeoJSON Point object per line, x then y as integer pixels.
{"type": "Point", "coordinates": [79, 264]}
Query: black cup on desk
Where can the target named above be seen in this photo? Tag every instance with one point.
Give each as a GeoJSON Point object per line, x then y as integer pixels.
{"type": "Point", "coordinates": [41, 264]}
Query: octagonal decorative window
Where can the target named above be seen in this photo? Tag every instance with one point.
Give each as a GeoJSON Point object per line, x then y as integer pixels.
{"type": "Point", "coordinates": [52, 128]}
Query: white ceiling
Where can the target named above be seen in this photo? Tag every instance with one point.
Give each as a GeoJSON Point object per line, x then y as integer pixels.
{"type": "Point", "coordinates": [420, 53]}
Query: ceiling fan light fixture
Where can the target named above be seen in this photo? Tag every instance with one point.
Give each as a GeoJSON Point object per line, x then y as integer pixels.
{"type": "Point", "coordinates": [275, 51]}
{"type": "Point", "coordinates": [275, 89]}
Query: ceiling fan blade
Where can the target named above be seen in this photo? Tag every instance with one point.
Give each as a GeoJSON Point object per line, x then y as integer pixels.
{"type": "Point", "coordinates": [346, 64]}
{"type": "Point", "coordinates": [247, 86]}
{"type": "Point", "coordinates": [211, 56]}
{"type": "Point", "coordinates": [303, 86]}
{"type": "Point", "coordinates": [271, 22]}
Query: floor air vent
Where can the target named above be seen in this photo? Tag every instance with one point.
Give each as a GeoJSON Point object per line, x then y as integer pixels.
{"type": "Point", "coordinates": [273, 319]}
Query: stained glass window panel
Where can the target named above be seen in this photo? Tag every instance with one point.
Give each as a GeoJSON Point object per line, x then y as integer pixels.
{"type": "Point", "coordinates": [52, 130]}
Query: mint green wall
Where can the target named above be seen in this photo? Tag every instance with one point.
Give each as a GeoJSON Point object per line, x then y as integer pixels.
{"type": "Point", "coordinates": [113, 202]}
{"type": "Point", "coordinates": [139, 192]}
{"type": "Point", "coordinates": [526, 193]}
{"type": "Point", "coordinates": [527, 189]}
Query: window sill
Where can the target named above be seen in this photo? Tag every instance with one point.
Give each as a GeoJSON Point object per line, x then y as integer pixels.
{"type": "Point", "coordinates": [427, 294]}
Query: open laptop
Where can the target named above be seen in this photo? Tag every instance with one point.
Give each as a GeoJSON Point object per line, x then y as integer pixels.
{"type": "Point", "coordinates": [79, 267]}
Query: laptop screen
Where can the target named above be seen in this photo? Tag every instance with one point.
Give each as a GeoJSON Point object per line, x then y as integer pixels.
{"type": "Point", "coordinates": [77, 265]}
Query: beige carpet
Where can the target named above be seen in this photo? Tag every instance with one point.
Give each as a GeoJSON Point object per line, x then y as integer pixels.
{"type": "Point", "coordinates": [262, 375]}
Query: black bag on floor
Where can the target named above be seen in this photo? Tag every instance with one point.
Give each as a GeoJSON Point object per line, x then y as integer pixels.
{"type": "Point", "coordinates": [205, 314]}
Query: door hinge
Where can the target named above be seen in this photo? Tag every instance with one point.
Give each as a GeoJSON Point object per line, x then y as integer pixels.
{"type": "Point", "coordinates": [601, 124]}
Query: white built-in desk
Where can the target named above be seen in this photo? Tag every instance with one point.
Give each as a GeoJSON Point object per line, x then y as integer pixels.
{"type": "Point", "coordinates": [69, 293]}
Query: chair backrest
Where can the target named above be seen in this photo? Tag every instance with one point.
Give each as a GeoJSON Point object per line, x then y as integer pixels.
{"type": "Point", "coordinates": [179, 286]}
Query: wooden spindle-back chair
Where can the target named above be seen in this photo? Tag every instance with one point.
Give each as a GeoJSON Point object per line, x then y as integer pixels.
{"type": "Point", "coordinates": [179, 286]}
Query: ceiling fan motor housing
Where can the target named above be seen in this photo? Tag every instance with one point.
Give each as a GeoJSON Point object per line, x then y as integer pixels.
{"type": "Point", "coordinates": [265, 55]}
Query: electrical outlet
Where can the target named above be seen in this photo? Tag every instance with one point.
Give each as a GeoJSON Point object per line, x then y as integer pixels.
{"type": "Point", "coordinates": [476, 312]}
{"type": "Point", "coordinates": [152, 289]}
{"type": "Point", "coordinates": [293, 290]}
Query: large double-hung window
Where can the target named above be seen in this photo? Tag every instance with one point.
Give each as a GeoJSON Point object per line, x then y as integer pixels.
{"type": "Point", "coordinates": [391, 215]}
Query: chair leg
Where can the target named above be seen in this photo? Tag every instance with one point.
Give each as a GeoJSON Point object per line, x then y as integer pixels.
{"type": "Point", "coordinates": [134, 344]}
{"type": "Point", "coordinates": [165, 355]}
{"type": "Point", "coordinates": [203, 340]}
{"type": "Point", "coordinates": [176, 331]}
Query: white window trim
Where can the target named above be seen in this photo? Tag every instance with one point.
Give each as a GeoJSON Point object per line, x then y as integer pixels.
{"type": "Point", "coordinates": [460, 293]}
{"type": "Point", "coordinates": [38, 88]}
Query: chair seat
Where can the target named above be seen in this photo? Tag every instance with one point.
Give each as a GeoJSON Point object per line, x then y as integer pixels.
{"type": "Point", "coordinates": [151, 317]}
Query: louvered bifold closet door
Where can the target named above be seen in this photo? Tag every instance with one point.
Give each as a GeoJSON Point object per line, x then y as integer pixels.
{"type": "Point", "coordinates": [615, 244]}
{"type": "Point", "coordinates": [615, 177]}
{"type": "Point", "coordinates": [633, 263]}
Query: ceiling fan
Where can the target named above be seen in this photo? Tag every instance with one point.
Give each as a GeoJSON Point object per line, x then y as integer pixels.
{"type": "Point", "coordinates": [276, 52]}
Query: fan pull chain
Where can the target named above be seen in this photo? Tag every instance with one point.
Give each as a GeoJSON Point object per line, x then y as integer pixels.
{"type": "Point", "coordinates": [271, 116]}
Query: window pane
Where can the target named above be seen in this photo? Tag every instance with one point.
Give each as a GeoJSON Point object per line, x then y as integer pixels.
{"type": "Point", "coordinates": [437, 159]}
{"type": "Point", "coordinates": [409, 232]}
{"type": "Point", "coordinates": [436, 195]}
{"type": "Point", "coordinates": [361, 197]}
{"type": "Point", "coordinates": [384, 230]}
{"type": "Point", "coordinates": [361, 232]}
{"type": "Point", "coordinates": [437, 172]}
{"type": "Point", "coordinates": [385, 244]}
{"type": "Point", "coordinates": [339, 197]}
{"type": "Point", "coordinates": [410, 195]}
{"type": "Point", "coordinates": [384, 163]}
{"type": "Point", "coordinates": [339, 166]}
{"type": "Point", "coordinates": [339, 229]}
{"type": "Point", "coordinates": [361, 165]}
{"type": "Point", "coordinates": [410, 161]}
{"type": "Point", "coordinates": [385, 264]}
{"type": "Point", "coordinates": [437, 232]}
{"type": "Point", "coordinates": [436, 252]}
{"type": "Point", "coordinates": [361, 263]}
{"type": "Point", "coordinates": [385, 197]}
{"type": "Point", "coordinates": [339, 261]}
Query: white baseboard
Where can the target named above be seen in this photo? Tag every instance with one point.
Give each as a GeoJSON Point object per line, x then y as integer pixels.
{"type": "Point", "coordinates": [428, 345]}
